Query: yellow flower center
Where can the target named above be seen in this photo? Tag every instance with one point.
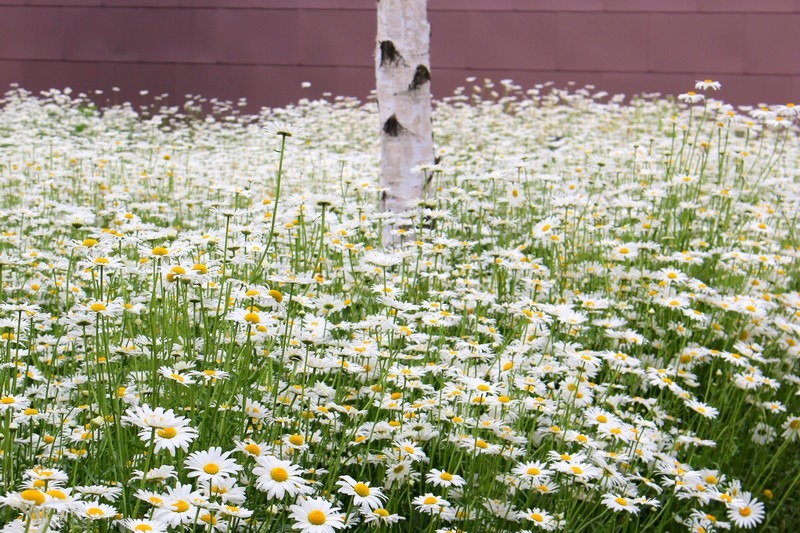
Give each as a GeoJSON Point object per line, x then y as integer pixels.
{"type": "Point", "coordinates": [446, 476]}
{"type": "Point", "coordinates": [57, 494]}
{"type": "Point", "coordinates": [160, 251]}
{"type": "Point", "coordinates": [211, 468]}
{"type": "Point", "coordinates": [277, 295]}
{"type": "Point", "coordinates": [745, 511]}
{"type": "Point", "coordinates": [167, 433]}
{"type": "Point", "coordinates": [279, 474]}
{"type": "Point", "coordinates": [297, 440]}
{"type": "Point", "coordinates": [430, 500]}
{"type": "Point", "coordinates": [181, 506]}
{"type": "Point", "coordinates": [7, 400]}
{"type": "Point", "coordinates": [253, 318]}
{"type": "Point", "coordinates": [361, 489]}
{"type": "Point", "coordinates": [253, 448]}
{"type": "Point", "coordinates": [97, 307]}
{"type": "Point", "coordinates": [33, 495]}
{"type": "Point", "coordinates": [143, 527]}
{"type": "Point", "coordinates": [622, 501]}
{"type": "Point", "coordinates": [381, 512]}
{"type": "Point", "coordinates": [533, 471]}
{"type": "Point", "coordinates": [577, 470]}
{"type": "Point", "coordinates": [94, 511]}
{"type": "Point", "coordinates": [536, 517]}
{"type": "Point", "coordinates": [484, 387]}
{"type": "Point", "coordinates": [317, 517]}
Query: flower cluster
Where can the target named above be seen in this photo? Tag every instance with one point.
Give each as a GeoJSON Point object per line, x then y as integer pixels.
{"type": "Point", "coordinates": [591, 320]}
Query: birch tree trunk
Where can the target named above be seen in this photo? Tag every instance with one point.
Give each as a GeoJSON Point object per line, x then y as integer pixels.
{"type": "Point", "coordinates": [402, 72]}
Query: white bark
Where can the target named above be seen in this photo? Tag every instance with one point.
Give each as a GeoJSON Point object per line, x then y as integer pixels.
{"type": "Point", "coordinates": [402, 71]}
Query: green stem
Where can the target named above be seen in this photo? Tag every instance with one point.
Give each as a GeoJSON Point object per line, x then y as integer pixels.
{"type": "Point", "coordinates": [257, 269]}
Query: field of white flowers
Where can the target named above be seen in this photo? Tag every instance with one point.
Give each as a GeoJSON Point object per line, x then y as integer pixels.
{"type": "Point", "coordinates": [591, 323]}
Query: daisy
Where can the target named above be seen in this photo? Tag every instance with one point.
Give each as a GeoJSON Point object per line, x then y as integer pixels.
{"type": "Point", "coordinates": [440, 478]}
{"type": "Point", "coordinates": [175, 375]}
{"type": "Point", "coordinates": [379, 517]}
{"type": "Point", "coordinates": [704, 409]}
{"type": "Point", "coordinates": [177, 506]}
{"type": "Point", "coordinates": [399, 472]}
{"type": "Point", "coordinates": [50, 477]}
{"type": "Point", "coordinates": [703, 85]}
{"type": "Point", "coordinates": [791, 428]}
{"type": "Point", "coordinates": [94, 510]}
{"type": "Point", "coordinates": [226, 490]}
{"type": "Point", "coordinates": [430, 503]}
{"type": "Point", "coordinates": [100, 491]}
{"type": "Point", "coordinates": [691, 97]}
{"type": "Point", "coordinates": [277, 477]}
{"type": "Point", "coordinates": [234, 511]}
{"type": "Point", "coordinates": [545, 228]}
{"type": "Point", "coordinates": [159, 474]}
{"type": "Point", "coordinates": [539, 518]}
{"type": "Point", "coordinates": [746, 511]}
{"type": "Point", "coordinates": [316, 515]}
{"type": "Point", "coordinates": [532, 471]}
{"type": "Point", "coordinates": [252, 448]}
{"type": "Point", "coordinates": [211, 521]}
{"type": "Point", "coordinates": [211, 465]}
{"type": "Point", "coordinates": [617, 503]}
{"type": "Point", "coordinates": [144, 526]}
{"type": "Point", "coordinates": [147, 418]}
{"type": "Point", "coordinates": [12, 402]}
{"type": "Point", "coordinates": [580, 470]}
{"type": "Point", "coordinates": [283, 129]}
{"type": "Point", "coordinates": [408, 448]}
{"type": "Point", "coordinates": [171, 438]}
{"type": "Point", "coordinates": [156, 499]}
{"type": "Point", "coordinates": [624, 252]}
{"type": "Point", "coordinates": [24, 500]}
{"type": "Point", "coordinates": [363, 494]}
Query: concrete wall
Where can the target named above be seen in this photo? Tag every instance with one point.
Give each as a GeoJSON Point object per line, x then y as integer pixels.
{"type": "Point", "coordinates": [264, 49]}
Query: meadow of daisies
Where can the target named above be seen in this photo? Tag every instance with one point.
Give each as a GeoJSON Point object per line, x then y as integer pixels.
{"type": "Point", "coordinates": [590, 323]}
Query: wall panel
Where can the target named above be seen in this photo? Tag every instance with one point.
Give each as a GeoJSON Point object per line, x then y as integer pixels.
{"type": "Point", "coordinates": [264, 49]}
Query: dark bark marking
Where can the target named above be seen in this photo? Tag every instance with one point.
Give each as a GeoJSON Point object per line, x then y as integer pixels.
{"type": "Point", "coordinates": [389, 54]}
{"type": "Point", "coordinates": [421, 76]}
{"type": "Point", "coordinates": [392, 127]}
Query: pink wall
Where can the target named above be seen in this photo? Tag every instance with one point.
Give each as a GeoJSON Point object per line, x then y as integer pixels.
{"type": "Point", "coordinates": [264, 49]}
